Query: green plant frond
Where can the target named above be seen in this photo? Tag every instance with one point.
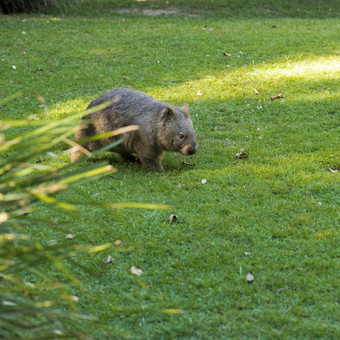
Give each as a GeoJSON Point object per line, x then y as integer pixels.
{"type": "Point", "coordinates": [131, 205]}
{"type": "Point", "coordinates": [107, 169]}
{"type": "Point", "coordinates": [12, 197]}
{"type": "Point", "coordinates": [62, 269]}
{"type": "Point", "coordinates": [5, 146]}
{"type": "Point", "coordinates": [109, 134]}
{"type": "Point", "coordinates": [9, 98]}
{"type": "Point", "coordinates": [12, 236]}
{"type": "Point", "coordinates": [51, 200]}
{"type": "Point", "coordinates": [100, 248]}
{"type": "Point", "coordinates": [21, 123]}
{"type": "Point", "coordinates": [95, 153]}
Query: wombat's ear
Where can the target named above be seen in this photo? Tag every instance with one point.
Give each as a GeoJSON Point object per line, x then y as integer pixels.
{"type": "Point", "coordinates": [185, 109]}
{"type": "Point", "coordinates": [169, 113]}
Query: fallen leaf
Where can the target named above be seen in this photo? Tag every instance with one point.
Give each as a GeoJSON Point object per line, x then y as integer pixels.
{"type": "Point", "coordinates": [188, 164]}
{"type": "Point", "coordinates": [334, 171]}
{"type": "Point", "coordinates": [227, 54]}
{"type": "Point", "coordinates": [199, 93]}
{"type": "Point", "coordinates": [136, 271]}
{"type": "Point", "coordinates": [204, 181]}
{"type": "Point", "coordinates": [14, 67]}
{"type": "Point", "coordinates": [70, 236]}
{"type": "Point", "coordinates": [250, 278]}
{"type": "Point", "coordinates": [74, 298]}
{"type": "Point", "coordinates": [241, 154]}
{"type": "Point", "coordinates": [109, 260]}
{"type": "Point", "coordinates": [256, 92]}
{"type": "Point", "coordinates": [173, 218]}
{"type": "Point", "coordinates": [117, 242]}
{"type": "Point", "coordinates": [246, 253]}
{"type": "Point", "coordinates": [276, 97]}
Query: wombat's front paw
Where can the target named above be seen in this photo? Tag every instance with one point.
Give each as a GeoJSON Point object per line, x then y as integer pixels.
{"type": "Point", "coordinates": [152, 165]}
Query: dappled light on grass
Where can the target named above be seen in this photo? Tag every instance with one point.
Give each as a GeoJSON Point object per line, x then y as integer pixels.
{"type": "Point", "coordinates": [312, 68]}
{"type": "Point", "coordinates": [238, 82]}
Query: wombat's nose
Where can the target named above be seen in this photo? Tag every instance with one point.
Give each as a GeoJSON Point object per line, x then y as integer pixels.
{"type": "Point", "coordinates": [193, 149]}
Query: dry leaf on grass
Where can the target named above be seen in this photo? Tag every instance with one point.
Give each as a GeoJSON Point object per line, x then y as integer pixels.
{"type": "Point", "coordinates": [334, 171]}
{"type": "Point", "coordinates": [276, 97]}
{"type": "Point", "coordinates": [70, 236]}
{"type": "Point", "coordinates": [136, 271]}
{"type": "Point", "coordinates": [172, 218]}
{"type": "Point", "coordinates": [199, 93]}
{"type": "Point", "coordinates": [256, 92]}
{"type": "Point", "coordinates": [204, 181]}
{"type": "Point", "coordinates": [188, 164]}
{"type": "Point", "coordinates": [109, 260]}
{"type": "Point", "coordinates": [241, 154]}
{"type": "Point", "coordinates": [117, 242]}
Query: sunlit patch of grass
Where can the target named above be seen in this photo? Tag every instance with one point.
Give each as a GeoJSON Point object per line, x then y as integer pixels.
{"type": "Point", "coordinates": [320, 74]}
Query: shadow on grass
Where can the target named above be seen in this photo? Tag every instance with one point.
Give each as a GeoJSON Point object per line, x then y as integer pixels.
{"type": "Point", "coordinates": [229, 9]}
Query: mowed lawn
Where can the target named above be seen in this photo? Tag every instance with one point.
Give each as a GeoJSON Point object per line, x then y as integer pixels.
{"type": "Point", "coordinates": [273, 214]}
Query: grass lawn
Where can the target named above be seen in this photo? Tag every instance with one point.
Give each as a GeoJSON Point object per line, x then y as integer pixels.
{"type": "Point", "coordinates": [274, 214]}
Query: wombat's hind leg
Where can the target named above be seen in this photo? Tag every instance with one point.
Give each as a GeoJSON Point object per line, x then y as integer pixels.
{"type": "Point", "coordinates": [128, 157]}
{"type": "Point", "coordinates": [78, 152]}
{"type": "Point", "coordinates": [75, 155]}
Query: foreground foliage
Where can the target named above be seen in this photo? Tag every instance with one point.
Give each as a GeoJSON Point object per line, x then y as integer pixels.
{"type": "Point", "coordinates": [32, 300]}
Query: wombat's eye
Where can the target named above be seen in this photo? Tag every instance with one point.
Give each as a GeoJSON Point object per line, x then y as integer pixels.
{"type": "Point", "coordinates": [181, 135]}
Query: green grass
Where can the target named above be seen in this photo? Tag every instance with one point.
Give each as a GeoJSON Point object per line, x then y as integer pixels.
{"type": "Point", "coordinates": [280, 204]}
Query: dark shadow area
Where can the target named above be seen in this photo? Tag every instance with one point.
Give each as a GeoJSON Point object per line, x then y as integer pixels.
{"type": "Point", "coordinates": [226, 9]}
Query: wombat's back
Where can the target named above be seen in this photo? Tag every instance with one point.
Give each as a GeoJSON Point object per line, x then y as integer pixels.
{"type": "Point", "coordinates": [129, 101]}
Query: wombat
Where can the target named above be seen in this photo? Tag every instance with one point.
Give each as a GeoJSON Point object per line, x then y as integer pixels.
{"type": "Point", "coordinates": [162, 127]}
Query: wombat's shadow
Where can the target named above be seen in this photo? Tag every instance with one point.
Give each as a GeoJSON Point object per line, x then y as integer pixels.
{"type": "Point", "coordinates": [178, 164]}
